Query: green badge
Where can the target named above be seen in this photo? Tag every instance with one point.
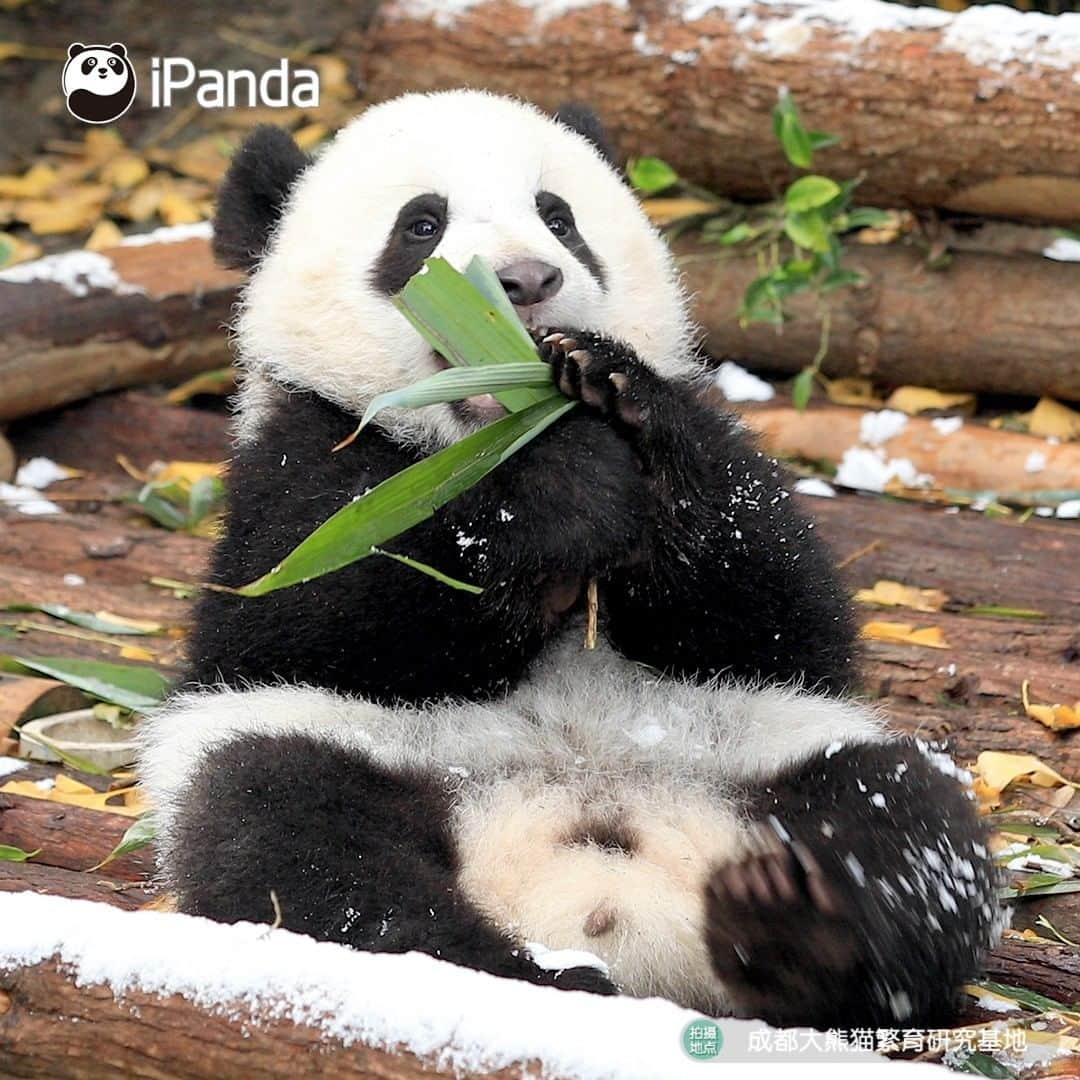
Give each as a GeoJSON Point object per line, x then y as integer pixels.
{"type": "Point", "coordinates": [702, 1040]}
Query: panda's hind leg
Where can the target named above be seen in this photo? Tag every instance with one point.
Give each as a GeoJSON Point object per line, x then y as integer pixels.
{"type": "Point", "coordinates": [864, 895]}
{"type": "Point", "coordinates": [352, 852]}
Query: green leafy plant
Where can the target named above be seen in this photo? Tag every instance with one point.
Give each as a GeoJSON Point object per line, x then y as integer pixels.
{"type": "Point", "coordinates": [468, 319]}
{"type": "Point", "coordinates": [181, 506]}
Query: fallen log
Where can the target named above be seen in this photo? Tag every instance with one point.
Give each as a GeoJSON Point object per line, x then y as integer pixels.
{"type": "Point", "coordinates": [997, 108]}
{"type": "Point", "coordinates": [995, 323]}
{"type": "Point", "coordinates": [972, 458]}
{"type": "Point", "coordinates": [1050, 970]}
{"type": "Point", "coordinates": [54, 881]}
{"type": "Point", "coordinates": [187, 998]}
{"type": "Point", "coordinates": [79, 323]}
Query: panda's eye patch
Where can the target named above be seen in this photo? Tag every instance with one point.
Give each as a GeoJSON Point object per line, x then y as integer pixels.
{"type": "Point", "coordinates": [415, 234]}
{"type": "Point", "coordinates": [557, 215]}
{"type": "Point", "coordinates": [114, 63]}
{"type": "Point", "coordinates": [88, 65]}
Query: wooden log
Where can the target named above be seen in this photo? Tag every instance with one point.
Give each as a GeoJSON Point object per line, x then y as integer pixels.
{"type": "Point", "coordinates": [974, 458]}
{"type": "Point", "coordinates": [937, 109]}
{"type": "Point", "coordinates": [1050, 970]}
{"type": "Point", "coordinates": [996, 323]}
{"type": "Point", "coordinates": [82, 322]}
{"type": "Point", "coordinates": [70, 837]}
{"type": "Point", "coordinates": [55, 881]}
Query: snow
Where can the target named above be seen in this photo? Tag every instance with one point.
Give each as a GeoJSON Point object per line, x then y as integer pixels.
{"type": "Point", "coordinates": [563, 959]}
{"type": "Point", "coordinates": [947, 425]}
{"type": "Point", "coordinates": [40, 472]}
{"type": "Point", "coordinates": [738, 384]}
{"type": "Point", "coordinates": [74, 580]}
{"type": "Point", "coordinates": [1063, 249]}
{"type": "Point", "coordinates": [458, 1019]}
{"type": "Point", "coordinates": [446, 12]}
{"type": "Point", "coordinates": [876, 428]}
{"type": "Point", "coordinates": [870, 470]}
{"type": "Point", "coordinates": [77, 271]}
{"type": "Point", "coordinates": [1035, 462]}
{"type": "Point", "coordinates": [8, 765]}
{"type": "Point", "coordinates": [994, 36]}
{"type": "Point", "coordinates": [170, 234]}
{"type": "Point", "coordinates": [1040, 862]}
{"type": "Point", "coordinates": [1069, 509]}
{"type": "Point", "coordinates": [811, 485]}
{"type": "Point", "coordinates": [26, 500]}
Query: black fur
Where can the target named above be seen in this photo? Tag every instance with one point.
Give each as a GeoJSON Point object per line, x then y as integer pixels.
{"type": "Point", "coordinates": [353, 853]}
{"type": "Point", "coordinates": [253, 193]}
{"type": "Point", "coordinates": [549, 206]}
{"type": "Point", "coordinates": [678, 582]}
{"type": "Point", "coordinates": [733, 579]}
{"type": "Point", "coordinates": [569, 505]}
{"type": "Point", "coordinates": [584, 121]}
{"type": "Point", "coordinates": [852, 913]}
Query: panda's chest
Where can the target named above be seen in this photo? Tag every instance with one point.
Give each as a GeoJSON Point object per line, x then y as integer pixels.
{"type": "Point", "coordinates": [616, 868]}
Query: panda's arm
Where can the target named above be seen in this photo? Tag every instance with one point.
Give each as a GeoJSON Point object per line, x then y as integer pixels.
{"type": "Point", "coordinates": [734, 578]}
{"type": "Point", "coordinates": [566, 507]}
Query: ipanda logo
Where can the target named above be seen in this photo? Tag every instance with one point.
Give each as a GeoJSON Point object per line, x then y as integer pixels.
{"type": "Point", "coordinates": [99, 84]}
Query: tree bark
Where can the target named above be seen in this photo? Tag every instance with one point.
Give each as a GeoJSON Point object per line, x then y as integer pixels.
{"type": "Point", "coordinates": [159, 319]}
{"type": "Point", "coordinates": [924, 103]}
{"type": "Point", "coordinates": [996, 323]}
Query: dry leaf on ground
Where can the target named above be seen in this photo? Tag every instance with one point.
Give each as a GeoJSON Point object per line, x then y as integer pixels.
{"type": "Point", "coordinates": [894, 594]}
{"type": "Point", "coordinates": [917, 399]}
{"type": "Point", "coordinates": [127, 801]}
{"type": "Point", "coordinates": [930, 637]}
{"type": "Point", "coordinates": [1055, 717]}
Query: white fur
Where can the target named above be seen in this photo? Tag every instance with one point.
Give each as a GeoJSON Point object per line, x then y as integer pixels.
{"type": "Point", "coordinates": [310, 318]}
{"type": "Point", "coordinates": [590, 735]}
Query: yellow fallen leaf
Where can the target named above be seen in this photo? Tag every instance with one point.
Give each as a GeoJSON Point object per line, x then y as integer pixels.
{"type": "Point", "coordinates": [124, 171]}
{"type": "Point", "coordinates": [204, 158]}
{"type": "Point", "coordinates": [1055, 717]}
{"type": "Point", "coordinates": [33, 184]}
{"type": "Point", "coordinates": [995, 770]}
{"type": "Point", "coordinates": [851, 390]}
{"type": "Point", "coordinates": [106, 234]}
{"type": "Point", "coordinates": [175, 209]}
{"type": "Point", "coordinates": [929, 636]}
{"type": "Point", "coordinates": [310, 135]}
{"type": "Point", "coordinates": [665, 211]}
{"type": "Point", "coordinates": [14, 249]}
{"type": "Point", "coordinates": [334, 80]}
{"type": "Point", "coordinates": [894, 594]}
{"type": "Point", "coordinates": [73, 793]}
{"type": "Point", "coordinates": [220, 381]}
{"type": "Point", "coordinates": [1049, 419]}
{"type": "Point", "coordinates": [100, 144]}
{"type": "Point", "coordinates": [916, 399]}
{"type": "Point", "coordinates": [900, 221]}
{"type": "Point", "coordinates": [137, 652]}
{"type": "Point", "coordinates": [186, 471]}
{"type": "Point", "coordinates": [143, 625]}
{"type": "Point", "coordinates": [75, 207]}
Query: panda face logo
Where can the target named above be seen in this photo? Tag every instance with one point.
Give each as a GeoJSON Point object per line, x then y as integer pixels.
{"type": "Point", "coordinates": [98, 81]}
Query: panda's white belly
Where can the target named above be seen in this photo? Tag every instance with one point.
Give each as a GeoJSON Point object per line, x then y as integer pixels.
{"type": "Point", "coordinates": [617, 870]}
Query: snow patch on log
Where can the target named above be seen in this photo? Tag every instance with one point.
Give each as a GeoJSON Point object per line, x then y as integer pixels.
{"type": "Point", "coordinates": [171, 234]}
{"type": "Point", "coordinates": [76, 271]}
{"type": "Point", "coordinates": [447, 12]}
{"type": "Point", "coordinates": [992, 37]}
{"type": "Point", "coordinates": [460, 1019]}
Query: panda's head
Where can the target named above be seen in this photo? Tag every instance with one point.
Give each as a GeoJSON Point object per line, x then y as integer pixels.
{"type": "Point", "coordinates": [328, 243]}
{"type": "Point", "coordinates": [98, 81]}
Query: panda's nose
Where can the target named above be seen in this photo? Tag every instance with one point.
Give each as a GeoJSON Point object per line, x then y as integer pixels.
{"type": "Point", "coordinates": [528, 281]}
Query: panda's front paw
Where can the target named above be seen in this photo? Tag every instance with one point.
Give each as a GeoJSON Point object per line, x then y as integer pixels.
{"type": "Point", "coordinates": [605, 375]}
{"type": "Point", "coordinates": [778, 933]}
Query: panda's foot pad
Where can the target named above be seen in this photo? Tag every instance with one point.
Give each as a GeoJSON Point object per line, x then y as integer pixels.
{"type": "Point", "coordinates": [776, 929]}
{"type": "Point", "coordinates": [605, 375]}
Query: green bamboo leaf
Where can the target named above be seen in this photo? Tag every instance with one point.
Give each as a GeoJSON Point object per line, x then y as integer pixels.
{"type": "Point", "coordinates": [1036, 1002]}
{"type": "Point", "coordinates": [458, 383]}
{"type": "Point", "coordinates": [14, 854]}
{"type": "Point", "coordinates": [138, 835]}
{"type": "Point", "coordinates": [487, 282]}
{"type": "Point", "coordinates": [102, 624]}
{"type": "Point", "coordinates": [134, 687]}
{"type": "Point", "coordinates": [408, 497]}
{"type": "Point", "coordinates": [424, 568]}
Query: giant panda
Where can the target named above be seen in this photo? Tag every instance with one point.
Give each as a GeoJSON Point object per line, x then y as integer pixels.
{"type": "Point", "coordinates": [397, 765]}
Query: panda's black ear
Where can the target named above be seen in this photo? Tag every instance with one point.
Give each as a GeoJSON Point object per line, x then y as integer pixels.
{"type": "Point", "coordinates": [75, 48]}
{"type": "Point", "coordinates": [584, 121]}
{"type": "Point", "coordinates": [253, 193]}
{"type": "Point", "coordinates": [119, 48]}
